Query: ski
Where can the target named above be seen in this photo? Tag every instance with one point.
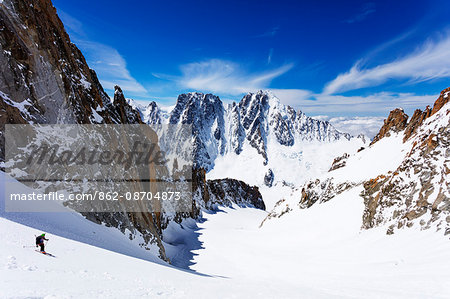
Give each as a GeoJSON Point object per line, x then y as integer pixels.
{"type": "Point", "coordinates": [45, 253]}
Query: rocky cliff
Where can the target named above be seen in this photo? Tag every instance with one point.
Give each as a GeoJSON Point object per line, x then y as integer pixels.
{"type": "Point", "coordinates": [45, 80]}
{"type": "Point", "coordinates": [44, 76]}
{"type": "Point", "coordinates": [403, 177]}
{"type": "Point", "coordinates": [417, 192]}
{"type": "Point", "coordinates": [396, 122]}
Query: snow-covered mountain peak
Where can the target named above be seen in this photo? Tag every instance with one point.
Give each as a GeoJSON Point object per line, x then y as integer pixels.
{"type": "Point", "coordinates": [249, 124]}
{"type": "Point", "coordinates": [263, 97]}
{"type": "Point", "coordinates": [274, 101]}
{"type": "Point", "coordinates": [117, 90]}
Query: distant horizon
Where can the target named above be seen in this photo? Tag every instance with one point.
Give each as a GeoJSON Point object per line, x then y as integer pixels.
{"type": "Point", "coordinates": [350, 60]}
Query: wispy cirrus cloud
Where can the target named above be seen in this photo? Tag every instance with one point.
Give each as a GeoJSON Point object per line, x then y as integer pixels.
{"type": "Point", "coordinates": [269, 57]}
{"type": "Point", "coordinates": [71, 24]}
{"type": "Point", "coordinates": [110, 66]}
{"type": "Point", "coordinates": [293, 97]}
{"type": "Point", "coordinates": [225, 77]}
{"type": "Point", "coordinates": [229, 78]}
{"type": "Point", "coordinates": [378, 103]}
{"type": "Point", "coordinates": [367, 9]}
{"type": "Point", "coordinates": [270, 33]}
{"type": "Point", "coordinates": [428, 62]}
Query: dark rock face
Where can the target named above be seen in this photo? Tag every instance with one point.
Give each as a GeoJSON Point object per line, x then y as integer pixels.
{"type": "Point", "coordinates": [441, 101]}
{"type": "Point", "coordinates": [283, 132]}
{"type": "Point", "coordinates": [268, 178]}
{"type": "Point", "coordinates": [237, 130]}
{"type": "Point", "coordinates": [127, 115]}
{"type": "Point", "coordinates": [228, 191]}
{"type": "Point", "coordinates": [416, 121]}
{"type": "Point", "coordinates": [340, 161]}
{"type": "Point", "coordinates": [210, 193]}
{"type": "Point", "coordinates": [154, 113]}
{"type": "Point", "coordinates": [219, 129]}
{"type": "Point", "coordinates": [253, 109]}
{"type": "Point", "coordinates": [45, 78]}
{"type": "Point", "coordinates": [206, 115]}
{"type": "Point", "coordinates": [395, 122]}
{"type": "Point", "coordinates": [45, 67]}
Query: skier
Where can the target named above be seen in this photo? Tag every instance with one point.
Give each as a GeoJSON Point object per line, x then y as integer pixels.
{"type": "Point", "coordinates": [40, 242]}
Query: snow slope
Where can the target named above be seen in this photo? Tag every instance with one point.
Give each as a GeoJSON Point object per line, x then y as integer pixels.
{"type": "Point", "coordinates": [312, 253]}
{"type": "Point", "coordinates": [404, 178]}
{"type": "Point", "coordinates": [71, 225]}
{"type": "Point", "coordinates": [292, 166]}
{"type": "Point", "coordinates": [323, 249]}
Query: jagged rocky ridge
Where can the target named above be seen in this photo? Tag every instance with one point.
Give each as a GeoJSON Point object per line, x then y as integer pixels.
{"type": "Point", "coordinates": [44, 77]}
{"type": "Point", "coordinates": [412, 190]}
{"type": "Point", "coordinates": [219, 129]}
{"type": "Point", "coordinates": [45, 80]}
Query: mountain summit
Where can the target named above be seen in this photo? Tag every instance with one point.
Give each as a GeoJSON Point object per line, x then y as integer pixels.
{"type": "Point", "coordinates": [255, 121]}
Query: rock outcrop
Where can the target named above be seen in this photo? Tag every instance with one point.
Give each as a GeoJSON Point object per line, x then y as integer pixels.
{"type": "Point", "coordinates": [420, 187]}
{"type": "Point", "coordinates": [414, 192]}
{"type": "Point", "coordinates": [126, 113]}
{"type": "Point", "coordinates": [416, 121]}
{"type": "Point", "coordinates": [209, 194]}
{"type": "Point", "coordinates": [45, 80]}
{"type": "Point", "coordinates": [268, 178]}
{"type": "Point", "coordinates": [441, 101]}
{"type": "Point", "coordinates": [339, 162]}
{"type": "Point", "coordinates": [396, 122]}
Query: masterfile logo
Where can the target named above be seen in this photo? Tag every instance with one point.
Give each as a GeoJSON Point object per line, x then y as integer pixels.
{"type": "Point", "coordinates": [100, 168]}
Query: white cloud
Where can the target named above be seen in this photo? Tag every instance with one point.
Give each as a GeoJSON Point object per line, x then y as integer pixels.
{"type": "Point", "coordinates": [107, 62]}
{"type": "Point", "coordinates": [367, 9]}
{"type": "Point", "coordinates": [111, 67]}
{"type": "Point", "coordinates": [270, 33]}
{"type": "Point", "coordinates": [226, 77]}
{"type": "Point", "coordinates": [269, 57]}
{"type": "Point", "coordinates": [70, 23]}
{"type": "Point", "coordinates": [378, 103]}
{"type": "Point", "coordinates": [368, 125]}
{"type": "Point", "coordinates": [430, 61]}
{"type": "Point", "coordinates": [229, 79]}
{"type": "Point", "coordinates": [321, 117]}
{"type": "Point", "coordinates": [381, 102]}
{"type": "Point", "coordinates": [293, 97]}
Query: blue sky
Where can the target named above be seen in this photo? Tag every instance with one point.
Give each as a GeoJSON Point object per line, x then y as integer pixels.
{"type": "Point", "coordinates": [334, 58]}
